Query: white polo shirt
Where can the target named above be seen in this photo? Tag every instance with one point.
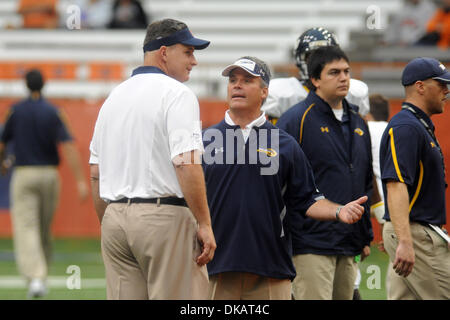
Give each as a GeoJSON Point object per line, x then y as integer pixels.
{"type": "Point", "coordinates": [144, 123]}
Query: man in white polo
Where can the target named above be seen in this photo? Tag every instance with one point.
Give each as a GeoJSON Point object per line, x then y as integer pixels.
{"type": "Point", "coordinates": [148, 184]}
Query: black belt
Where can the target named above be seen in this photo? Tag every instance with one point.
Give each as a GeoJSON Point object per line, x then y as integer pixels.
{"type": "Point", "coordinates": [425, 224]}
{"type": "Point", "coordinates": [174, 201]}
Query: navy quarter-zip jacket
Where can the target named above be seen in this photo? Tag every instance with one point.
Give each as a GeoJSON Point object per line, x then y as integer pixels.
{"type": "Point", "coordinates": [249, 210]}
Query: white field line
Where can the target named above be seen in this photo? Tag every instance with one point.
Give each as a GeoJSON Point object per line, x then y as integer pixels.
{"type": "Point", "coordinates": [17, 282]}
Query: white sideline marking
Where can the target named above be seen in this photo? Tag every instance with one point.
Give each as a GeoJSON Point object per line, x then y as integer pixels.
{"type": "Point", "coordinates": [17, 282]}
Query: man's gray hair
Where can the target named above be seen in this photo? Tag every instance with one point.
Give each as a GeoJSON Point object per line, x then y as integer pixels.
{"type": "Point", "coordinates": [163, 28]}
{"type": "Point", "coordinates": [262, 65]}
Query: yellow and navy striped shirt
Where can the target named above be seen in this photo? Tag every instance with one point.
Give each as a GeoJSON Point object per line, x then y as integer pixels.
{"type": "Point", "coordinates": [409, 154]}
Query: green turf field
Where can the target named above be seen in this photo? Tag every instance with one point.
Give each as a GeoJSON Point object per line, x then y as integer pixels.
{"type": "Point", "coordinates": [84, 256]}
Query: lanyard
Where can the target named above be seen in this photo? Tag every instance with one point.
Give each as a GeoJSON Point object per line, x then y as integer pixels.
{"type": "Point", "coordinates": [430, 132]}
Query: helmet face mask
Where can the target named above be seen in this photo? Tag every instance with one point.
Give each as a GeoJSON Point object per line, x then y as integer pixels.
{"type": "Point", "coordinates": [308, 41]}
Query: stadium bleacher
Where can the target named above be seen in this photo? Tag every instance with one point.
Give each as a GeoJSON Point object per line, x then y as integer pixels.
{"type": "Point", "coordinates": [266, 29]}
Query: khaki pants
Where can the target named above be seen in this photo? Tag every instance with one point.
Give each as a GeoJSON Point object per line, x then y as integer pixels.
{"type": "Point", "coordinates": [149, 252]}
{"type": "Point", "coordinates": [430, 278]}
{"type": "Point", "coordinates": [34, 197]}
{"type": "Point", "coordinates": [322, 277]}
{"type": "Point", "coordinates": [248, 286]}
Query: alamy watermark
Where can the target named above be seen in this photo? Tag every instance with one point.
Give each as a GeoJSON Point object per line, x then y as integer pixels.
{"type": "Point", "coordinates": [73, 21]}
{"type": "Point", "coordinates": [374, 280]}
{"type": "Point", "coordinates": [374, 18]}
{"type": "Point", "coordinates": [263, 148]}
{"type": "Point", "coordinates": [260, 147]}
{"type": "Point", "coordinates": [74, 280]}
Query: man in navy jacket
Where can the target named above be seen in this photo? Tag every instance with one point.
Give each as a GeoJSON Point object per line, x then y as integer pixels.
{"type": "Point", "coordinates": [256, 178]}
{"type": "Point", "coordinates": [336, 141]}
{"type": "Point", "coordinates": [414, 184]}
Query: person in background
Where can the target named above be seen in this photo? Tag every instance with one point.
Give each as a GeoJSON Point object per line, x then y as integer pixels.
{"type": "Point", "coordinates": [128, 14]}
{"type": "Point", "coordinates": [409, 24]}
{"type": "Point", "coordinates": [95, 14]}
{"type": "Point", "coordinates": [286, 92]}
{"type": "Point", "coordinates": [438, 27]}
{"type": "Point", "coordinates": [414, 184]}
{"type": "Point", "coordinates": [377, 120]}
{"type": "Point", "coordinates": [36, 127]}
{"type": "Point", "coordinates": [336, 141]}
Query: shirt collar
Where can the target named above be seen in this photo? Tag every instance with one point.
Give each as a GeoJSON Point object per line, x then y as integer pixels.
{"type": "Point", "coordinates": [147, 69]}
{"type": "Point", "coordinates": [258, 122]}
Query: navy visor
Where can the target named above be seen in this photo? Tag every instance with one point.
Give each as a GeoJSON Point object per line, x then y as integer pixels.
{"type": "Point", "coordinates": [183, 36]}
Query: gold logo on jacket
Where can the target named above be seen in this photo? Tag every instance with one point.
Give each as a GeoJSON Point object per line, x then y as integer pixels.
{"type": "Point", "coordinates": [432, 144]}
{"type": "Point", "coordinates": [270, 152]}
{"type": "Point", "coordinates": [324, 129]}
{"type": "Point", "coordinates": [359, 131]}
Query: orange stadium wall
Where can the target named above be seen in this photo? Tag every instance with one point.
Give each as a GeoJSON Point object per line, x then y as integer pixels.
{"type": "Point", "coordinates": [73, 218]}
{"type": "Point", "coordinates": [76, 219]}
